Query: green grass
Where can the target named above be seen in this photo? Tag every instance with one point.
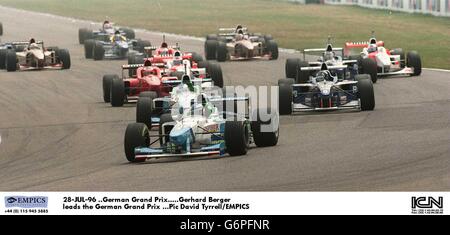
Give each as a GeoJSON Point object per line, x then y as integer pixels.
{"type": "Point", "coordinates": [293, 26]}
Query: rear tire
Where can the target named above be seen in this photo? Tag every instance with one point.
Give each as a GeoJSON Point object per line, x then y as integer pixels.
{"type": "Point", "coordinates": [414, 61]}
{"type": "Point", "coordinates": [265, 139]}
{"type": "Point", "coordinates": [144, 110]}
{"type": "Point", "coordinates": [285, 99]}
{"type": "Point", "coordinates": [211, 49]}
{"type": "Point", "coordinates": [196, 57]}
{"type": "Point", "coordinates": [141, 45]}
{"type": "Point", "coordinates": [211, 37]}
{"type": "Point", "coordinates": [215, 71]}
{"type": "Point", "coordinates": [11, 61]}
{"type": "Point", "coordinates": [64, 58]}
{"type": "Point", "coordinates": [89, 45]}
{"type": "Point", "coordinates": [117, 92]}
{"type": "Point", "coordinates": [236, 138]}
{"type": "Point", "coordinates": [366, 94]}
{"type": "Point", "coordinates": [99, 51]}
{"type": "Point", "coordinates": [136, 135]}
{"type": "Point", "coordinates": [129, 33]}
{"type": "Point", "coordinates": [107, 81]}
{"type": "Point", "coordinates": [272, 48]}
{"type": "Point", "coordinates": [82, 33]}
{"type": "Point", "coordinates": [286, 81]}
{"type": "Point", "coordinates": [3, 58]}
{"type": "Point", "coordinates": [291, 67]}
{"type": "Point", "coordinates": [369, 67]}
{"type": "Point", "coordinates": [302, 76]}
{"type": "Point", "coordinates": [222, 52]}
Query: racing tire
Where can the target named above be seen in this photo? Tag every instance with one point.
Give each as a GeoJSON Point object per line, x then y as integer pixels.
{"type": "Point", "coordinates": [369, 66]}
{"type": "Point", "coordinates": [142, 44]}
{"type": "Point", "coordinates": [401, 53]}
{"type": "Point", "coordinates": [82, 33]}
{"type": "Point", "coordinates": [203, 64]}
{"type": "Point", "coordinates": [211, 49]}
{"type": "Point", "coordinates": [89, 45]}
{"type": "Point", "coordinates": [164, 118]}
{"type": "Point", "coordinates": [268, 37]}
{"type": "Point", "coordinates": [117, 92]}
{"type": "Point", "coordinates": [3, 58]}
{"type": "Point", "coordinates": [1, 29]}
{"type": "Point", "coordinates": [215, 71]}
{"type": "Point", "coordinates": [134, 59]}
{"type": "Point", "coordinates": [272, 48]}
{"type": "Point", "coordinates": [414, 61]}
{"type": "Point", "coordinates": [107, 80]}
{"type": "Point", "coordinates": [64, 58]}
{"type": "Point", "coordinates": [196, 57]}
{"type": "Point", "coordinates": [144, 110]}
{"type": "Point", "coordinates": [291, 67]}
{"type": "Point", "coordinates": [286, 81]}
{"type": "Point", "coordinates": [222, 52]}
{"type": "Point", "coordinates": [366, 94]}
{"type": "Point", "coordinates": [211, 37]}
{"type": "Point", "coordinates": [99, 51]}
{"type": "Point", "coordinates": [236, 138]}
{"type": "Point", "coordinates": [265, 138]}
{"type": "Point", "coordinates": [148, 94]}
{"type": "Point", "coordinates": [136, 135]}
{"type": "Point", "coordinates": [11, 61]}
{"type": "Point", "coordinates": [302, 76]}
{"type": "Point", "coordinates": [285, 99]}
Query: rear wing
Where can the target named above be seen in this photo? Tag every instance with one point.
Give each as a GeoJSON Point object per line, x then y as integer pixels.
{"type": "Point", "coordinates": [321, 50]}
{"type": "Point", "coordinates": [153, 48]}
{"type": "Point", "coordinates": [178, 81]}
{"type": "Point", "coordinates": [364, 44]}
{"type": "Point", "coordinates": [22, 43]}
{"type": "Point", "coordinates": [132, 66]}
{"type": "Point", "coordinates": [318, 68]}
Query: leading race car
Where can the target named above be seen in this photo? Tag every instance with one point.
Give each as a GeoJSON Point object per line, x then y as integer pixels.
{"type": "Point", "coordinates": [117, 46]}
{"type": "Point", "coordinates": [326, 91]}
{"type": "Point", "coordinates": [32, 55]}
{"type": "Point", "coordinates": [104, 33]}
{"type": "Point", "coordinates": [196, 128]}
{"type": "Point", "coordinates": [238, 44]}
{"type": "Point", "coordinates": [389, 62]}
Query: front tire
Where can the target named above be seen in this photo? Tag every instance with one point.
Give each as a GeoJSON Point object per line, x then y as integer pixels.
{"type": "Point", "coordinates": [117, 92]}
{"type": "Point", "coordinates": [64, 58]}
{"type": "Point", "coordinates": [136, 135]}
{"type": "Point", "coordinates": [285, 98]}
{"type": "Point", "coordinates": [291, 67]}
{"type": "Point", "coordinates": [211, 49]}
{"type": "Point", "coordinates": [99, 51]}
{"type": "Point", "coordinates": [222, 52]}
{"type": "Point", "coordinates": [107, 81]}
{"type": "Point", "coordinates": [89, 45]}
{"type": "Point", "coordinates": [144, 110]}
{"type": "Point", "coordinates": [370, 67]}
{"type": "Point", "coordinates": [215, 71]}
{"type": "Point", "coordinates": [265, 138]}
{"type": "Point", "coordinates": [236, 138]}
{"type": "Point", "coordinates": [366, 93]}
{"type": "Point", "coordinates": [414, 61]}
{"type": "Point", "coordinates": [272, 48]}
{"type": "Point", "coordinates": [11, 61]}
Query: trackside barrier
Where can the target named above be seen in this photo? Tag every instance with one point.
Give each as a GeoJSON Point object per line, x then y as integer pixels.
{"type": "Point", "coordinates": [433, 7]}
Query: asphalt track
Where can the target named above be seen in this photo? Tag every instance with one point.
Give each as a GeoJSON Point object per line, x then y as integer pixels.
{"type": "Point", "coordinates": [57, 134]}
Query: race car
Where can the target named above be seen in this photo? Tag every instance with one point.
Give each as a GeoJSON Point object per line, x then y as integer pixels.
{"type": "Point", "coordinates": [116, 46]}
{"type": "Point", "coordinates": [32, 55]}
{"type": "Point", "coordinates": [238, 44]}
{"type": "Point", "coordinates": [195, 127]}
{"type": "Point", "coordinates": [389, 62]}
{"type": "Point", "coordinates": [149, 77]}
{"type": "Point", "coordinates": [104, 33]}
{"type": "Point", "coordinates": [326, 91]}
{"type": "Point", "coordinates": [332, 57]}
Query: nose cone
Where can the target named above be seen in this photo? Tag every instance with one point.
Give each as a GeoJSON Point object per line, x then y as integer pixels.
{"type": "Point", "coordinates": [38, 54]}
{"type": "Point", "coordinates": [182, 136]}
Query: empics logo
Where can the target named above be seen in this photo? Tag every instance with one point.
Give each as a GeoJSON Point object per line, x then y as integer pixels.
{"type": "Point", "coordinates": [26, 202]}
{"type": "Point", "coordinates": [427, 205]}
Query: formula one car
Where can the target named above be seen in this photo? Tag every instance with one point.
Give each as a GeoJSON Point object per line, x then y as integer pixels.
{"type": "Point", "coordinates": [152, 78]}
{"type": "Point", "coordinates": [389, 62]}
{"type": "Point", "coordinates": [116, 47]}
{"type": "Point", "coordinates": [104, 33]}
{"type": "Point", "coordinates": [32, 55]}
{"type": "Point", "coordinates": [238, 44]}
{"type": "Point", "coordinates": [196, 128]}
{"type": "Point", "coordinates": [325, 91]}
{"type": "Point", "coordinates": [332, 57]}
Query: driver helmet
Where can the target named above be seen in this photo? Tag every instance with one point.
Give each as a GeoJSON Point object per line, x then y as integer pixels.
{"type": "Point", "coordinates": [107, 25]}
{"type": "Point", "coordinates": [372, 48]}
{"type": "Point", "coordinates": [164, 52]}
{"type": "Point", "coordinates": [329, 55]}
{"type": "Point", "coordinates": [240, 35]}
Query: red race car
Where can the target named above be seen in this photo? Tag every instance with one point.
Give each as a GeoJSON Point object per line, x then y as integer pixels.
{"type": "Point", "coordinates": [389, 62]}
